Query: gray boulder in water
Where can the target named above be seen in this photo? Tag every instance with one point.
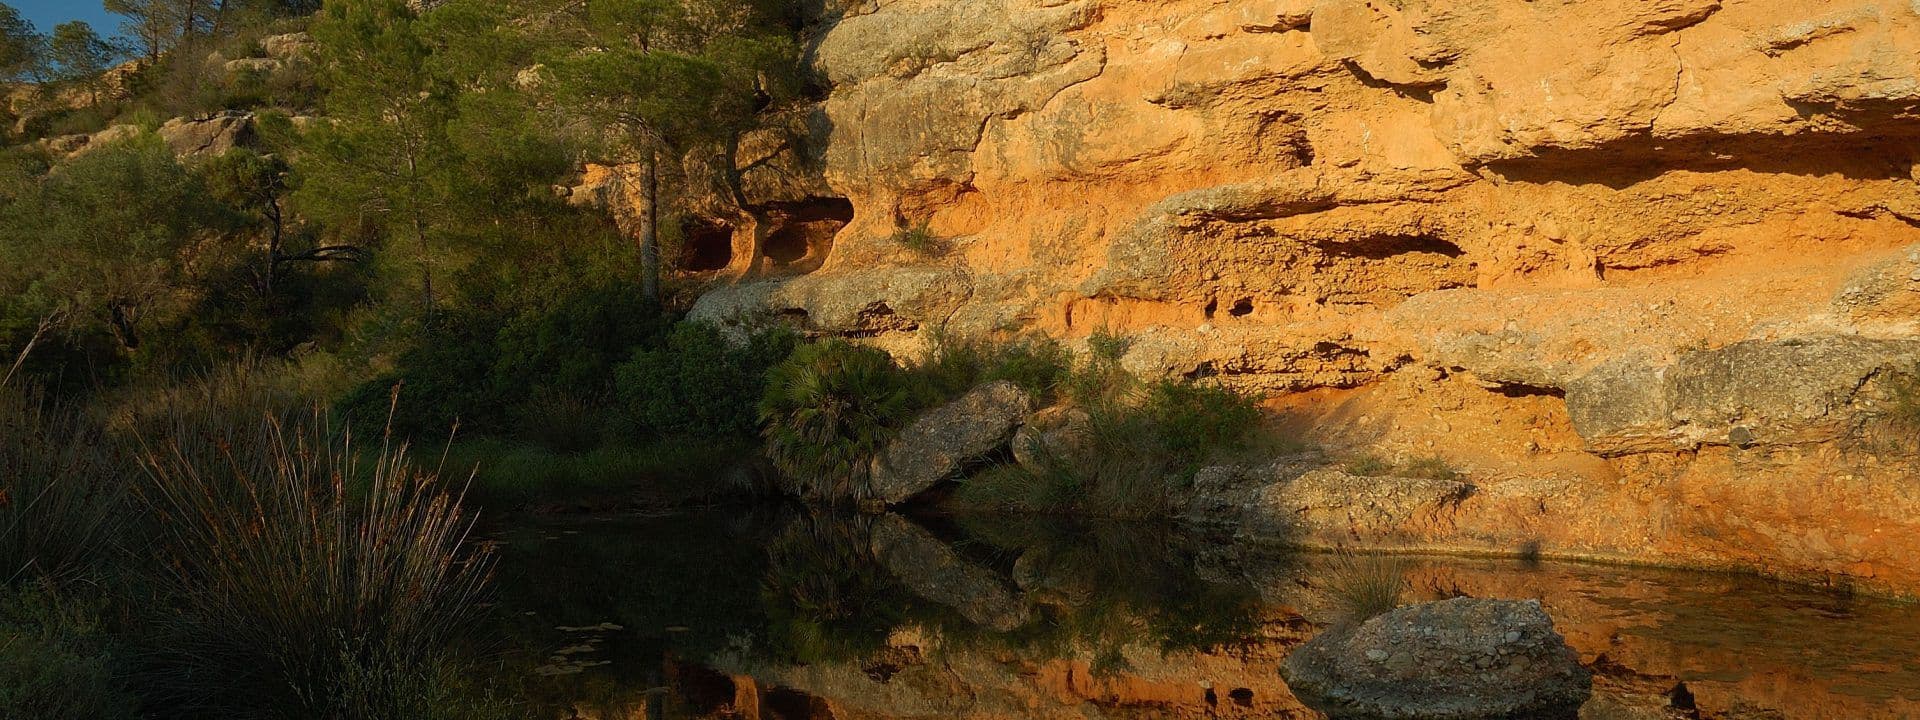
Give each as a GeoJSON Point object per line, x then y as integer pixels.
{"type": "Point", "coordinates": [1459, 659]}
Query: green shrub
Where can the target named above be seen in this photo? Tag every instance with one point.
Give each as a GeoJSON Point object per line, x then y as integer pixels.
{"type": "Point", "coordinates": [1195, 420]}
{"type": "Point", "coordinates": [54, 660]}
{"type": "Point", "coordinates": [1140, 448]}
{"type": "Point", "coordinates": [955, 366]}
{"type": "Point", "coordinates": [698, 384]}
{"type": "Point", "coordinates": [828, 409]}
{"type": "Point", "coordinates": [291, 563]}
{"type": "Point", "coordinates": [560, 421]}
{"type": "Point", "coordinates": [1107, 347]}
{"type": "Point", "coordinates": [670, 472]}
{"type": "Point", "coordinates": [480, 365]}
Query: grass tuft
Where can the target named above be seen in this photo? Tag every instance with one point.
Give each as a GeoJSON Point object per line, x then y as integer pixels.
{"type": "Point", "coordinates": [302, 576]}
{"type": "Point", "coordinates": [1365, 585]}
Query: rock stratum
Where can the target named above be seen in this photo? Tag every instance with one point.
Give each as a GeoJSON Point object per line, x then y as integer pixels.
{"type": "Point", "coordinates": [1647, 270]}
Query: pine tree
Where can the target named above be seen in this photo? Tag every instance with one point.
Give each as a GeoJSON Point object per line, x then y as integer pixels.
{"type": "Point", "coordinates": [665, 77]}
{"type": "Point", "coordinates": [21, 46]}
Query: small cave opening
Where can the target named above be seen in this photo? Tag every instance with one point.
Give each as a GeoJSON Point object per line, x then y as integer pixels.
{"type": "Point", "coordinates": [1241, 308]}
{"type": "Point", "coordinates": [1381, 247]}
{"type": "Point", "coordinates": [803, 231]}
{"type": "Point", "coordinates": [1213, 306]}
{"type": "Point", "coordinates": [1242, 697]}
{"type": "Point", "coordinates": [706, 245]}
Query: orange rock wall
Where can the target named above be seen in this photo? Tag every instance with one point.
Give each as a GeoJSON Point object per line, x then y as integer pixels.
{"type": "Point", "coordinates": [1647, 270]}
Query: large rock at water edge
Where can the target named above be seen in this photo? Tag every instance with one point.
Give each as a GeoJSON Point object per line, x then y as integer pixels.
{"type": "Point", "coordinates": [946, 439]}
{"type": "Point", "coordinates": [1458, 659]}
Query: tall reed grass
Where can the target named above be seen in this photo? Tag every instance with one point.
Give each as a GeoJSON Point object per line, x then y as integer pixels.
{"type": "Point", "coordinates": [306, 578]}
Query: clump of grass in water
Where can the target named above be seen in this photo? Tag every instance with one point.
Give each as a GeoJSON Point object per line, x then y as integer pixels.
{"type": "Point", "coordinates": [303, 578]}
{"type": "Point", "coordinates": [1365, 585]}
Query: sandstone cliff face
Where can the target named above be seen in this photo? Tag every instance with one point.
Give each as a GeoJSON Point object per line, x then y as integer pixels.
{"type": "Point", "coordinates": [1648, 270]}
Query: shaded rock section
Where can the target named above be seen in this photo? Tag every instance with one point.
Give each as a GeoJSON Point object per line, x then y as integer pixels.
{"type": "Point", "coordinates": [942, 442]}
{"type": "Point", "coordinates": [1288, 502]}
{"type": "Point", "coordinates": [1458, 659]}
{"type": "Point", "coordinates": [1760, 392]}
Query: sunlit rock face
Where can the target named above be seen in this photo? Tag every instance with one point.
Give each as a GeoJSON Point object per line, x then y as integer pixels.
{"type": "Point", "coordinates": [1646, 270]}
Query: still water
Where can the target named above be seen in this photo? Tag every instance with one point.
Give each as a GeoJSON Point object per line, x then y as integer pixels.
{"type": "Point", "coordinates": [778, 613]}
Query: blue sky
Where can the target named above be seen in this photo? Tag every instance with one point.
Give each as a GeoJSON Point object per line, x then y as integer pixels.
{"type": "Point", "coordinates": [47, 13]}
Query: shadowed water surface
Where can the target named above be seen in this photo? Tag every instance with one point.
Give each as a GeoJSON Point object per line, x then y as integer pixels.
{"type": "Point", "coordinates": [778, 613]}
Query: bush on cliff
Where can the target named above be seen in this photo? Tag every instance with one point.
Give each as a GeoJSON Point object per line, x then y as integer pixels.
{"type": "Point", "coordinates": [955, 365]}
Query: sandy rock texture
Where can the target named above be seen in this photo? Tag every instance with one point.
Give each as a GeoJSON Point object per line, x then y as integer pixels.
{"type": "Point", "coordinates": [1649, 272]}
{"type": "Point", "coordinates": [1457, 659]}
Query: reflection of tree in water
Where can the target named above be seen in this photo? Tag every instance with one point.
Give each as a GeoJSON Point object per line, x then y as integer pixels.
{"type": "Point", "coordinates": [826, 598]}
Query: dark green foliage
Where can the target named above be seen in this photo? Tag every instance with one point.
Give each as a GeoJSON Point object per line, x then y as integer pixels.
{"type": "Point", "coordinates": [54, 660]}
{"type": "Point", "coordinates": [62, 491]}
{"type": "Point", "coordinates": [1432, 467]}
{"type": "Point", "coordinates": [666, 473]}
{"type": "Point", "coordinates": [479, 367]}
{"type": "Point", "coordinates": [920, 239]}
{"type": "Point", "coordinates": [1369, 466]}
{"type": "Point", "coordinates": [21, 46]}
{"type": "Point", "coordinates": [1037, 365]}
{"type": "Point", "coordinates": [76, 53]}
{"type": "Point", "coordinates": [697, 384]}
{"type": "Point", "coordinates": [828, 409]}
{"type": "Point", "coordinates": [1195, 419]}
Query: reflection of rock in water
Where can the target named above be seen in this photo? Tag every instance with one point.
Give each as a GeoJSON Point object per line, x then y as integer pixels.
{"type": "Point", "coordinates": [1458, 659]}
{"type": "Point", "coordinates": [934, 571]}
{"type": "Point", "coordinates": [1138, 620]}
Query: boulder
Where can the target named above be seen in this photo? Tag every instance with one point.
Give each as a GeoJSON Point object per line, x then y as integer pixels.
{"type": "Point", "coordinates": [948, 438]}
{"type": "Point", "coordinates": [208, 136]}
{"type": "Point", "coordinates": [1458, 659]}
{"type": "Point", "coordinates": [932, 570]}
{"type": "Point", "coordinates": [258, 66]}
{"type": "Point", "coordinates": [1329, 505]}
{"type": "Point", "coordinates": [1054, 433]}
{"type": "Point", "coordinates": [288, 47]}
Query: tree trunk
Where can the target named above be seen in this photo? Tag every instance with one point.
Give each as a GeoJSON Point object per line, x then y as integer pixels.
{"type": "Point", "coordinates": [650, 226]}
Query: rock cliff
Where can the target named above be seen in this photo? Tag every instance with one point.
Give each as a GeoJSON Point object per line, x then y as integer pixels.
{"type": "Point", "coordinates": [1648, 270]}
